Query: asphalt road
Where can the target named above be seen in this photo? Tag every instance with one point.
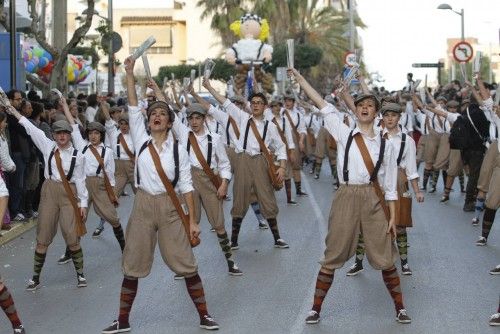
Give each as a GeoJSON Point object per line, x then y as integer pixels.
{"type": "Point", "coordinates": [450, 290]}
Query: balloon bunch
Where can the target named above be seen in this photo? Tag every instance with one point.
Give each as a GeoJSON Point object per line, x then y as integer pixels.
{"type": "Point", "coordinates": [40, 62]}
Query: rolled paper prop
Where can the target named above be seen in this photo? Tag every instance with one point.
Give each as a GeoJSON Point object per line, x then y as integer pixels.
{"type": "Point", "coordinates": [56, 92]}
{"type": "Point", "coordinates": [143, 47]}
{"type": "Point", "coordinates": [193, 75]}
{"type": "Point", "coordinates": [346, 82]}
{"type": "Point", "coordinates": [185, 83]}
{"type": "Point", "coordinates": [463, 70]}
{"type": "Point", "coordinates": [147, 69]}
{"type": "Point", "coordinates": [208, 68]}
{"type": "Point", "coordinates": [425, 83]}
{"type": "Point", "coordinates": [165, 82]}
{"type": "Point", "coordinates": [172, 76]}
{"type": "Point", "coordinates": [476, 66]}
{"type": "Point", "coordinates": [453, 71]}
{"type": "Point", "coordinates": [422, 94]}
{"type": "Point", "coordinates": [497, 96]}
{"type": "Point", "coordinates": [290, 53]}
{"type": "Point", "coordinates": [4, 100]}
{"type": "Point", "coordinates": [415, 86]}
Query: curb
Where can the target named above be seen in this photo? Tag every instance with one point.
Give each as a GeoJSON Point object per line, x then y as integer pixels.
{"type": "Point", "coordinates": [16, 230]}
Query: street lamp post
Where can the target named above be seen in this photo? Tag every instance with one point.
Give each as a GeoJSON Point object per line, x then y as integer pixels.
{"type": "Point", "coordinates": [461, 13]}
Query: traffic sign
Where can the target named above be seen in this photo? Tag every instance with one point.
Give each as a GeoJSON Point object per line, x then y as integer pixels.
{"type": "Point", "coordinates": [350, 59]}
{"type": "Point", "coordinates": [463, 52]}
{"type": "Point", "coordinates": [438, 65]}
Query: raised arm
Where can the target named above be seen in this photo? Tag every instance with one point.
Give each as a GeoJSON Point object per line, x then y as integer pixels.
{"type": "Point", "coordinates": [364, 86]}
{"type": "Point", "coordinates": [67, 113]}
{"type": "Point", "coordinates": [176, 97]}
{"type": "Point", "coordinates": [198, 98]}
{"type": "Point", "coordinates": [131, 93]}
{"type": "Point", "coordinates": [38, 137]}
{"type": "Point", "coordinates": [158, 92]}
{"type": "Point", "coordinates": [308, 89]}
{"type": "Point", "coordinates": [206, 83]}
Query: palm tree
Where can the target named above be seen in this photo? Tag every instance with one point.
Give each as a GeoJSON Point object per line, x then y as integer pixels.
{"type": "Point", "coordinates": [223, 13]}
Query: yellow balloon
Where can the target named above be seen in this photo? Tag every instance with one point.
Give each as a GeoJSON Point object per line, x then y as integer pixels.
{"type": "Point", "coordinates": [71, 76]}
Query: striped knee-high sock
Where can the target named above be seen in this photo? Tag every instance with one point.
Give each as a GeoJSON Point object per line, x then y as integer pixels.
{"type": "Point", "coordinates": [127, 296]}
{"type": "Point", "coordinates": [236, 230]}
{"type": "Point", "coordinates": [118, 231]}
{"type": "Point", "coordinates": [197, 294]}
{"type": "Point", "coordinates": [273, 224]}
{"type": "Point", "coordinates": [479, 207]}
{"type": "Point", "coordinates": [461, 179]}
{"type": "Point", "coordinates": [434, 178]}
{"type": "Point", "coordinates": [256, 211]}
{"type": "Point", "coordinates": [323, 284]}
{"type": "Point", "coordinates": [402, 243]}
{"type": "Point", "coordinates": [8, 306]}
{"type": "Point", "coordinates": [488, 219]}
{"type": "Point", "coordinates": [427, 174]}
{"type": "Point", "coordinates": [392, 283]}
{"type": "Point", "coordinates": [360, 250]}
{"type": "Point", "coordinates": [77, 257]}
{"type": "Point", "coordinates": [226, 248]}
{"type": "Point", "coordinates": [288, 189]}
{"type": "Point", "coordinates": [38, 265]}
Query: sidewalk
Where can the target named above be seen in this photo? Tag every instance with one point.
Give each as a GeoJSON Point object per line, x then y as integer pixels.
{"type": "Point", "coordinates": [17, 228]}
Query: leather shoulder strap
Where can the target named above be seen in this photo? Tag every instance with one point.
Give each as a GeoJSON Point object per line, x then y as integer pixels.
{"type": "Point", "coordinates": [107, 183]}
{"type": "Point", "coordinates": [170, 189]}
{"type": "Point", "coordinates": [123, 143]}
{"type": "Point", "coordinates": [203, 162]}
{"type": "Point", "coordinates": [371, 169]}
{"type": "Point", "coordinates": [402, 148]}
{"type": "Point", "coordinates": [294, 128]}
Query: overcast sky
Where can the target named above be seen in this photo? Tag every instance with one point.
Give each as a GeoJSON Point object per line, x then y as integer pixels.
{"type": "Point", "coordinates": [402, 32]}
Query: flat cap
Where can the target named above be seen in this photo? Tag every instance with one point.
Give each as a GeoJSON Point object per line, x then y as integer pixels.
{"type": "Point", "coordinates": [195, 108]}
{"type": "Point", "coordinates": [452, 104]}
{"type": "Point", "coordinates": [441, 98]}
{"type": "Point", "coordinates": [61, 126]}
{"type": "Point", "coordinates": [362, 97]}
{"type": "Point", "coordinates": [96, 126]}
{"type": "Point", "coordinates": [390, 106]}
{"type": "Point", "coordinates": [289, 96]}
{"type": "Point", "coordinates": [123, 117]}
{"type": "Point", "coordinates": [58, 116]}
{"type": "Point", "coordinates": [275, 102]}
{"type": "Point", "coordinates": [161, 105]}
{"type": "Point", "coordinates": [237, 99]}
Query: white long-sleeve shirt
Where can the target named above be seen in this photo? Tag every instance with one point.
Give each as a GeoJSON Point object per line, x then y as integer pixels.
{"type": "Point", "coordinates": [6, 162]}
{"type": "Point", "coordinates": [90, 113]}
{"type": "Point", "coordinates": [358, 174]}
{"type": "Point", "coordinates": [47, 146]}
{"type": "Point", "coordinates": [283, 125]}
{"type": "Point", "coordinates": [272, 139]}
{"type": "Point", "coordinates": [91, 164]}
{"type": "Point", "coordinates": [112, 133]}
{"type": "Point", "coordinates": [297, 120]}
{"type": "Point", "coordinates": [408, 159]}
{"type": "Point", "coordinates": [219, 160]}
{"type": "Point", "coordinates": [150, 181]}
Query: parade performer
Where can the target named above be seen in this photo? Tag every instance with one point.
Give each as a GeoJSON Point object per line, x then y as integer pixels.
{"type": "Point", "coordinates": [255, 171]}
{"type": "Point", "coordinates": [284, 128]}
{"type": "Point", "coordinates": [404, 145]}
{"type": "Point", "coordinates": [162, 170]}
{"type": "Point", "coordinates": [6, 300]}
{"type": "Point", "coordinates": [64, 173]}
{"type": "Point", "coordinates": [369, 163]}
{"type": "Point", "coordinates": [210, 172]}
{"type": "Point", "coordinates": [299, 133]}
{"type": "Point", "coordinates": [99, 170]}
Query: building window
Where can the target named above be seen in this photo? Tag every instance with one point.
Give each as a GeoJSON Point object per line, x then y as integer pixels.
{"type": "Point", "coordinates": [162, 34]}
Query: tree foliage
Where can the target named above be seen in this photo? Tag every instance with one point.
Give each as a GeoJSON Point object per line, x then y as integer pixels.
{"type": "Point", "coordinates": [222, 71]}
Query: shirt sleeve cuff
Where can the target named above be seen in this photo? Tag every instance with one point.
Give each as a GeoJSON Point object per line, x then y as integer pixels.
{"type": "Point", "coordinates": [83, 204]}
{"type": "Point", "coordinates": [391, 196]}
{"type": "Point", "coordinates": [187, 188]}
{"type": "Point", "coordinates": [110, 123]}
{"type": "Point", "coordinates": [134, 109]}
{"type": "Point", "coordinates": [226, 175]}
{"type": "Point", "coordinates": [327, 109]}
{"type": "Point", "coordinates": [226, 103]}
{"type": "Point", "coordinates": [413, 176]}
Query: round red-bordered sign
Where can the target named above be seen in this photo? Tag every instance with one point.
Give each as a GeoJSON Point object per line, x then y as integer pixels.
{"type": "Point", "coordinates": [463, 52]}
{"type": "Point", "coordinates": [350, 58]}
